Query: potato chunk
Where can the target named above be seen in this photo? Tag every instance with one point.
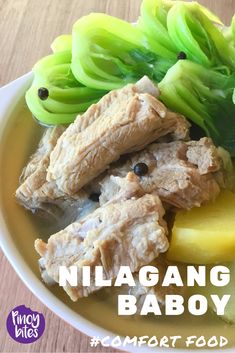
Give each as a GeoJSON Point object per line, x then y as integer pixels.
{"type": "Point", "coordinates": [207, 234]}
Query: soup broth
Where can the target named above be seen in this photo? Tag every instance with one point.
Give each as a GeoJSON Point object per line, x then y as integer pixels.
{"type": "Point", "coordinates": [20, 140]}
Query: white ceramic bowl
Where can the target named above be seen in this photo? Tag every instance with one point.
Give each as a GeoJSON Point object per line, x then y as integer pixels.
{"type": "Point", "coordinates": [9, 98]}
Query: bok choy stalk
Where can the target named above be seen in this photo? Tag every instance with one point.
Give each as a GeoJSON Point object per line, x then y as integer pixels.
{"type": "Point", "coordinates": [233, 29]}
{"type": "Point", "coordinates": [67, 97]}
{"type": "Point", "coordinates": [153, 22]}
{"type": "Point", "coordinates": [62, 43]}
{"type": "Point", "coordinates": [230, 33]}
{"type": "Point", "coordinates": [203, 42]}
{"type": "Point", "coordinates": [204, 96]}
{"type": "Point", "coordinates": [190, 28]}
{"type": "Point", "coordinates": [108, 53]}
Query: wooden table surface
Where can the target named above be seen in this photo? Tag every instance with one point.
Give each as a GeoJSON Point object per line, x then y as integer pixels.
{"type": "Point", "coordinates": [27, 27]}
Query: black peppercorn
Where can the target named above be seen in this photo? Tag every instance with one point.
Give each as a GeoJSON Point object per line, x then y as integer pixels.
{"type": "Point", "coordinates": [181, 56]}
{"type": "Point", "coordinates": [43, 93]}
{"type": "Point", "coordinates": [141, 169]}
{"type": "Point", "coordinates": [94, 197]}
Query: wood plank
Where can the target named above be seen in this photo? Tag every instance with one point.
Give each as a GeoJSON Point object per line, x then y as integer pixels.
{"type": "Point", "coordinates": [27, 28]}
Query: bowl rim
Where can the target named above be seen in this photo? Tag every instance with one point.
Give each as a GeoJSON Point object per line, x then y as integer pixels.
{"type": "Point", "coordinates": [10, 96]}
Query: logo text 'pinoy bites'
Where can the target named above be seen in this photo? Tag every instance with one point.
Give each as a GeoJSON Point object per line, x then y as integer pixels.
{"type": "Point", "coordinates": [25, 325]}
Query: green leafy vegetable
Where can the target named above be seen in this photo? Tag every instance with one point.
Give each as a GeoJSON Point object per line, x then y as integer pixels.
{"type": "Point", "coordinates": [233, 30]}
{"type": "Point", "coordinates": [189, 27]}
{"type": "Point", "coordinates": [108, 53]}
{"type": "Point", "coordinates": [153, 22]}
{"type": "Point", "coordinates": [67, 97]}
{"type": "Point", "coordinates": [229, 169]}
{"type": "Point", "coordinates": [204, 96]}
{"type": "Point", "coordinates": [105, 53]}
{"type": "Point", "coordinates": [229, 33]}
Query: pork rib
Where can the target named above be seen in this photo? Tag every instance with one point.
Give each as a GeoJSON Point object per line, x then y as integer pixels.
{"type": "Point", "coordinates": [128, 232]}
{"type": "Point", "coordinates": [184, 174]}
{"type": "Point", "coordinates": [123, 121]}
